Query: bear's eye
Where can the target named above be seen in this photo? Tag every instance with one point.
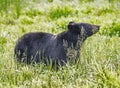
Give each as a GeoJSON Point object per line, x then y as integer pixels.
{"type": "Point", "coordinates": [89, 27]}
{"type": "Point", "coordinates": [80, 26]}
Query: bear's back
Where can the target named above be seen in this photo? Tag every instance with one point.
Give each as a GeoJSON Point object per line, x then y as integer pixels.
{"type": "Point", "coordinates": [29, 42]}
{"type": "Point", "coordinates": [35, 36]}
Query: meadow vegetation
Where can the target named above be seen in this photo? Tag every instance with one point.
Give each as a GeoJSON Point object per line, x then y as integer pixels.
{"type": "Point", "coordinates": [99, 65]}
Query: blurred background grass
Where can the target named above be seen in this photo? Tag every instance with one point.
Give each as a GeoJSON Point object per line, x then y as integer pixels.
{"type": "Point", "coordinates": [99, 63]}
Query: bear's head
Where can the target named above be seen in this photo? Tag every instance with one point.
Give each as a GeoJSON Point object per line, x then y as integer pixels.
{"type": "Point", "coordinates": [83, 29]}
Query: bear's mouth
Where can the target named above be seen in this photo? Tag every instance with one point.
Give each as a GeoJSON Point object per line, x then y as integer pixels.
{"type": "Point", "coordinates": [95, 28]}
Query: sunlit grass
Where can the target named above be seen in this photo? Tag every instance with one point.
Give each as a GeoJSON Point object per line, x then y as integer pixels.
{"type": "Point", "coordinates": [99, 64]}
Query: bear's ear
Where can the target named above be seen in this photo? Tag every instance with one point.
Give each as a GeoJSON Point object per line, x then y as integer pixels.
{"type": "Point", "coordinates": [70, 25]}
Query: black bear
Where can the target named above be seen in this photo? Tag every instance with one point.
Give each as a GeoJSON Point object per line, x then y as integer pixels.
{"type": "Point", "coordinates": [45, 47]}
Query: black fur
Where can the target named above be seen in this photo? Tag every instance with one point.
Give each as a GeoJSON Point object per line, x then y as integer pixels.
{"type": "Point", "coordinates": [45, 47]}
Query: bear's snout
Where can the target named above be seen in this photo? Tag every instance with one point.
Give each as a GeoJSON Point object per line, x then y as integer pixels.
{"type": "Point", "coordinates": [98, 27]}
{"type": "Point", "coordinates": [95, 28]}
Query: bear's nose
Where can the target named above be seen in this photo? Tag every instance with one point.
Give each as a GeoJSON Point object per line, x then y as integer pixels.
{"type": "Point", "coordinates": [95, 28]}
{"type": "Point", "coordinates": [98, 27]}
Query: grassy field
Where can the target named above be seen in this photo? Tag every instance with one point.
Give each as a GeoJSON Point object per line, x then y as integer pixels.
{"type": "Point", "coordinates": [99, 65]}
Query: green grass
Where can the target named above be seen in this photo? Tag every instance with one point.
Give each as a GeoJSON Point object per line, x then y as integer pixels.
{"type": "Point", "coordinates": [99, 65]}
